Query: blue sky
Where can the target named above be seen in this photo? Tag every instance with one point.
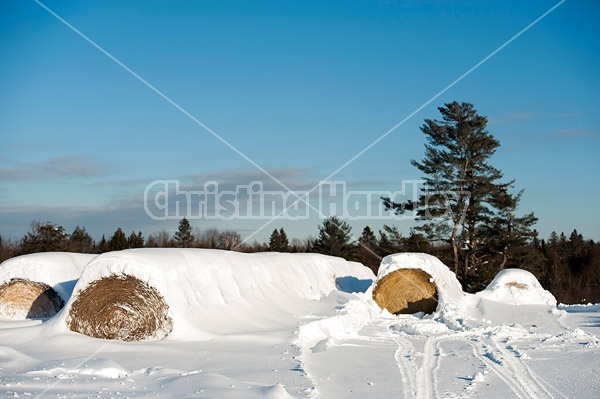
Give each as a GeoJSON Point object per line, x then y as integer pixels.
{"type": "Point", "coordinates": [299, 88]}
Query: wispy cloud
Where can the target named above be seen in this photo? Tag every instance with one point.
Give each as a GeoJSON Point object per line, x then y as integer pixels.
{"type": "Point", "coordinates": [576, 133]}
{"type": "Point", "coordinates": [294, 178]}
{"type": "Point", "coordinates": [97, 220]}
{"type": "Point", "coordinates": [513, 117]}
{"type": "Point", "coordinates": [67, 166]}
{"type": "Point", "coordinates": [567, 114]}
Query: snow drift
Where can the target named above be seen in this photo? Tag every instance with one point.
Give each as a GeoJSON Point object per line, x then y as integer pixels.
{"type": "Point", "coordinates": [212, 292]}
{"type": "Point", "coordinates": [517, 287]}
{"type": "Point", "coordinates": [38, 285]}
{"type": "Point", "coordinates": [406, 282]}
{"type": "Point", "coordinates": [416, 282]}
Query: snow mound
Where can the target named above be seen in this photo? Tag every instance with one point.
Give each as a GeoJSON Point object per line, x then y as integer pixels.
{"type": "Point", "coordinates": [517, 287]}
{"type": "Point", "coordinates": [213, 292]}
{"type": "Point", "coordinates": [361, 309]}
{"type": "Point", "coordinates": [37, 285]}
{"type": "Point", "coordinates": [59, 270]}
{"type": "Point", "coordinates": [450, 297]}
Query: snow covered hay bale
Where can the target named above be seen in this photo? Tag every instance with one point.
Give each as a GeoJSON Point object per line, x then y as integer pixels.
{"type": "Point", "coordinates": [517, 287]}
{"type": "Point", "coordinates": [38, 285]}
{"type": "Point", "coordinates": [413, 282]}
{"type": "Point", "coordinates": [210, 292]}
{"type": "Point", "coordinates": [25, 299]}
{"type": "Point", "coordinates": [406, 291]}
{"type": "Point", "coordinates": [120, 307]}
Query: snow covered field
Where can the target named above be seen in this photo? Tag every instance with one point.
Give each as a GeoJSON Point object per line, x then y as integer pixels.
{"type": "Point", "coordinates": [305, 326]}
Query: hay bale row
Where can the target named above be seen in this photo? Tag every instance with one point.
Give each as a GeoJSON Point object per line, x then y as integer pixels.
{"type": "Point", "coordinates": [145, 294]}
{"type": "Point", "coordinates": [21, 298]}
{"type": "Point", "coordinates": [120, 307]}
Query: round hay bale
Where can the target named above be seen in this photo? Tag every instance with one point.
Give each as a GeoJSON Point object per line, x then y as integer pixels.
{"type": "Point", "coordinates": [25, 299]}
{"type": "Point", "coordinates": [120, 307]}
{"type": "Point", "coordinates": [406, 291]}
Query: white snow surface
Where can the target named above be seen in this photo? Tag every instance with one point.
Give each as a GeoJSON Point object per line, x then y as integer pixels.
{"type": "Point", "coordinates": [221, 292]}
{"type": "Point", "coordinates": [517, 287]}
{"type": "Point", "coordinates": [278, 326]}
{"type": "Point", "coordinates": [60, 270]}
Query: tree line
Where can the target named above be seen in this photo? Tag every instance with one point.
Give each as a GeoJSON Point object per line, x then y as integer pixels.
{"type": "Point", "coordinates": [567, 267]}
{"type": "Point", "coordinates": [467, 214]}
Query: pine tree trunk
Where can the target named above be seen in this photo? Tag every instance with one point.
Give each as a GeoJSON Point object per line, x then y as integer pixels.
{"type": "Point", "coordinates": [504, 260]}
{"type": "Point", "coordinates": [465, 270]}
{"type": "Point", "coordinates": [454, 251]}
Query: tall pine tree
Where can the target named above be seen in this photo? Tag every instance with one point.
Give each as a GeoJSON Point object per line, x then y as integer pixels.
{"type": "Point", "coordinates": [464, 200]}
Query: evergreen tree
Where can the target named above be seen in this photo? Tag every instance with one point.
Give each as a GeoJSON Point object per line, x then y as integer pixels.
{"type": "Point", "coordinates": [366, 252]}
{"type": "Point", "coordinates": [553, 239]}
{"type": "Point", "coordinates": [274, 241]}
{"type": "Point", "coordinates": [118, 241]}
{"type": "Point", "coordinates": [80, 241]}
{"type": "Point", "coordinates": [278, 242]}
{"type": "Point", "coordinates": [335, 238]}
{"type": "Point", "coordinates": [184, 237]}
{"type": "Point", "coordinates": [284, 244]}
{"type": "Point", "coordinates": [506, 232]}
{"type": "Point", "coordinates": [103, 246]}
{"type": "Point", "coordinates": [463, 198]}
{"type": "Point", "coordinates": [390, 240]}
{"type": "Point", "coordinates": [417, 243]}
{"type": "Point", "coordinates": [572, 272]}
{"type": "Point", "coordinates": [135, 240]}
{"type": "Point", "coordinates": [46, 237]}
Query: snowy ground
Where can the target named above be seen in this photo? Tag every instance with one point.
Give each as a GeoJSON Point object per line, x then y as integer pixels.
{"type": "Point", "coordinates": [336, 345]}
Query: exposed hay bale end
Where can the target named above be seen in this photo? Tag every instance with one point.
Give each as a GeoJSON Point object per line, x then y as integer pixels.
{"type": "Point", "coordinates": [406, 291]}
{"type": "Point", "coordinates": [120, 307]}
{"type": "Point", "coordinates": [520, 286]}
{"type": "Point", "coordinates": [25, 299]}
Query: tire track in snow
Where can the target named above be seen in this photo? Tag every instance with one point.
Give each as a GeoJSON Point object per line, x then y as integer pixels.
{"type": "Point", "coordinates": [497, 368]}
{"type": "Point", "coordinates": [426, 381]}
{"type": "Point", "coordinates": [422, 380]}
{"type": "Point", "coordinates": [506, 365]}
{"type": "Point", "coordinates": [436, 367]}
{"type": "Point", "coordinates": [530, 381]}
{"type": "Point", "coordinates": [512, 370]}
{"type": "Point", "coordinates": [406, 367]}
